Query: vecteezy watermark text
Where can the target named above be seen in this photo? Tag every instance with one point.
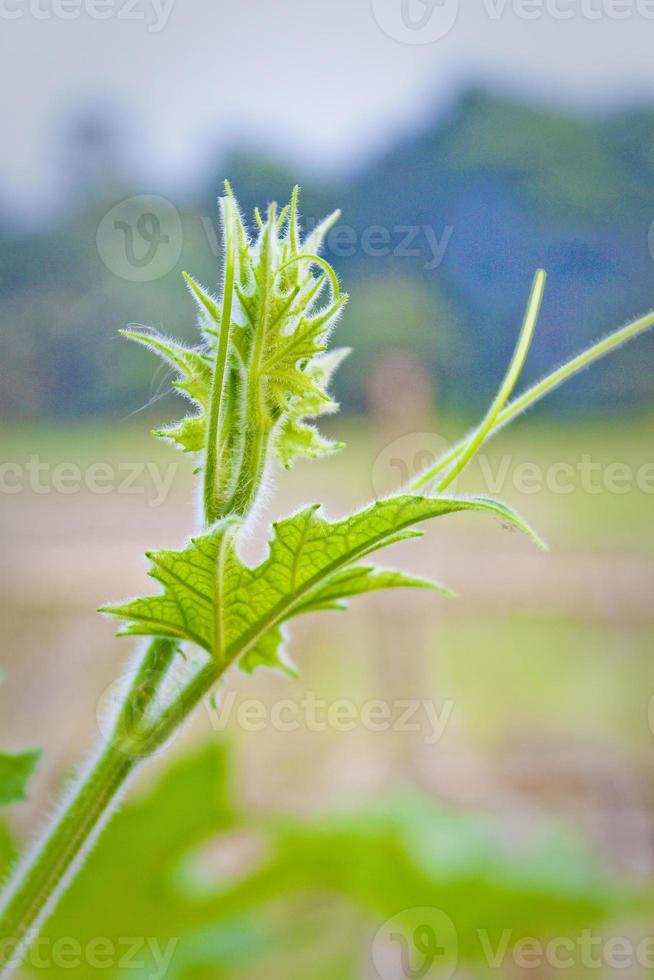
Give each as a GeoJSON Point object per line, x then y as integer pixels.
{"type": "Point", "coordinates": [561, 10]}
{"type": "Point", "coordinates": [586, 475]}
{"type": "Point", "coordinates": [39, 476]}
{"type": "Point", "coordinates": [401, 241]}
{"type": "Point", "coordinates": [428, 21]}
{"type": "Point", "coordinates": [140, 239]}
{"type": "Point", "coordinates": [588, 950]}
{"type": "Point", "coordinates": [420, 716]}
{"type": "Point", "coordinates": [150, 957]}
{"type": "Point", "coordinates": [154, 13]}
{"type": "Point", "coordinates": [415, 452]}
{"type": "Point", "coordinates": [422, 942]}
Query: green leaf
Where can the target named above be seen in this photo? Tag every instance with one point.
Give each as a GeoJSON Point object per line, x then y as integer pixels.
{"type": "Point", "coordinates": [209, 313]}
{"type": "Point", "coordinates": [193, 373]}
{"type": "Point", "coordinates": [304, 883]}
{"type": "Point", "coordinates": [15, 771]}
{"type": "Point", "coordinates": [146, 893]}
{"type": "Point", "coordinates": [359, 579]}
{"type": "Point", "coordinates": [211, 598]}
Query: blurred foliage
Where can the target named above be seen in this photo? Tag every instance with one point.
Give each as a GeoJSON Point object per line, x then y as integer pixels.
{"type": "Point", "coordinates": [16, 769]}
{"type": "Point", "coordinates": [302, 898]}
{"type": "Point", "coordinates": [558, 162]}
{"type": "Point", "coordinates": [505, 697]}
{"type": "Point", "coordinates": [397, 314]}
{"type": "Point", "coordinates": [503, 187]}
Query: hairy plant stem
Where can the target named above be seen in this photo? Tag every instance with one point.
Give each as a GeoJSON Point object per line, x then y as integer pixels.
{"type": "Point", "coordinates": [257, 441]}
{"type": "Point", "coordinates": [259, 423]}
{"type": "Point", "coordinates": [215, 427]}
{"type": "Point", "coordinates": [233, 471]}
{"type": "Point", "coordinates": [43, 876]}
{"type": "Point", "coordinates": [40, 880]}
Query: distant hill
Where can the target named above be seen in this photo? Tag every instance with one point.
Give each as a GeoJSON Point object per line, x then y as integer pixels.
{"type": "Point", "coordinates": [522, 187]}
{"type": "Point", "coordinates": [438, 242]}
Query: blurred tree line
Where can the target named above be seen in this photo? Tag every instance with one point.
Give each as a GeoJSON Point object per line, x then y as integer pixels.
{"type": "Point", "coordinates": [438, 242]}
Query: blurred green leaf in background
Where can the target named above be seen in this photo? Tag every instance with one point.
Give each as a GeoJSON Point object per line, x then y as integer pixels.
{"type": "Point", "coordinates": [224, 893]}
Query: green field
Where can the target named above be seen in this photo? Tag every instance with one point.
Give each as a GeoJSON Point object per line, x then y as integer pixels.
{"type": "Point", "coordinates": [539, 679]}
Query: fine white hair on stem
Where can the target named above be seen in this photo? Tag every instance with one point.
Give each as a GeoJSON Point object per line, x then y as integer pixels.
{"type": "Point", "coordinates": [73, 787]}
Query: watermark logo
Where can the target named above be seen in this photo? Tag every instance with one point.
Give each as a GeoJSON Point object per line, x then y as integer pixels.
{"type": "Point", "coordinates": [415, 453]}
{"type": "Point", "coordinates": [129, 714]}
{"type": "Point", "coordinates": [140, 239]}
{"type": "Point", "coordinates": [416, 21]}
{"type": "Point", "coordinates": [416, 944]}
{"type": "Point", "coordinates": [405, 458]}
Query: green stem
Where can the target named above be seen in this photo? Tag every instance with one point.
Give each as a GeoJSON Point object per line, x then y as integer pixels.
{"type": "Point", "coordinates": [176, 713]}
{"type": "Point", "coordinates": [316, 260]}
{"type": "Point", "coordinates": [255, 456]}
{"type": "Point", "coordinates": [214, 426]}
{"type": "Point", "coordinates": [147, 682]}
{"type": "Point", "coordinates": [259, 425]}
{"type": "Point", "coordinates": [141, 727]}
{"type": "Point", "coordinates": [583, 360]}
{"type": "Point", "coordinates": [39, 883]}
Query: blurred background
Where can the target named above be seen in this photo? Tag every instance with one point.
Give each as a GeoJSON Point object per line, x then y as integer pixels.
{"type": "Point", "coordinates": [447, 779]}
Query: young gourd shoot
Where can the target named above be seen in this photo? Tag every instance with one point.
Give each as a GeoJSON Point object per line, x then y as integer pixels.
{"type": "Point", "coordinates": [258, 380]}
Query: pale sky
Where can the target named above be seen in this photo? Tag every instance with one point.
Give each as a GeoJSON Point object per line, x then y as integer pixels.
{"type": "Point", "coordinates": [321, 82]}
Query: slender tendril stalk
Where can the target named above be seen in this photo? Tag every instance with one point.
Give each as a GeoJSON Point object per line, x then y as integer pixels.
{"type": "Point", "coordinates": [258, 380]}
{"type": "Point", "coordinates": [41, 880]}
{"type": "Point", "coordinates": [530, 397]}
{"type": "Point", "coordinates": [507, 386]}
